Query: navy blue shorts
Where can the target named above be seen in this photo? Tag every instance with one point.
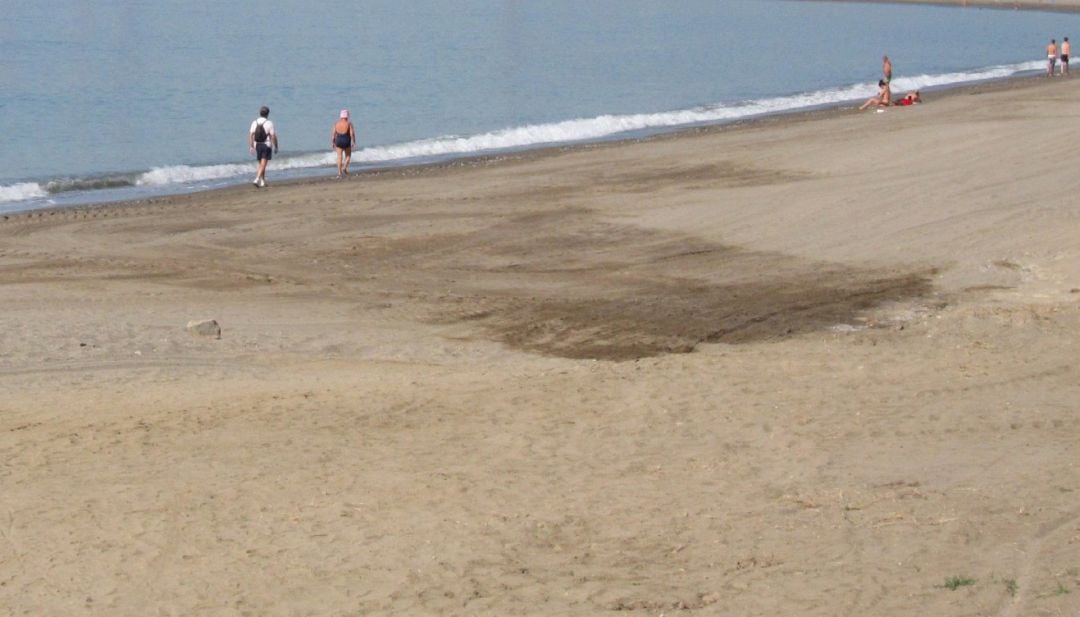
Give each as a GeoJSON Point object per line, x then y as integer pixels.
{"type": "Point", "coordinates": [263, 151]}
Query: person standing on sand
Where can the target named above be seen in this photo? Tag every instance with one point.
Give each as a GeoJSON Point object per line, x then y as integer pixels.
{"type": "Point", "coordinates": [1066, 47]}
{"type": "Point", "coordinates": [886, 68]}
{"type": "Point", "coordinates": [342, 139]}
{"type": "Point", "coordinates": [262, 142]}
{"type": "Point", "coordinates": [1051, 57]}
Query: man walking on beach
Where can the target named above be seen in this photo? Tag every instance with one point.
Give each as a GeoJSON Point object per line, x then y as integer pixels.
{"type": "Point", "coordinates": [1066, 47]}
{"type": "Point", "coordinates": [886, 69]}
{"type": "Point", "coordinates": [262, 142]}
{"type": "Point", "coordinates": [1051, 57]}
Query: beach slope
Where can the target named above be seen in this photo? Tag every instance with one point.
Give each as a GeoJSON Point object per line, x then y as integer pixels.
{"type": "Point", "coordinates": [816, 365]}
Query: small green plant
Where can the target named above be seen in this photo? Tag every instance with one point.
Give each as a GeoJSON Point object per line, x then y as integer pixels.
{"type": "Point", "coordinates": [1011, 586]}
{"type": "Point", "coordinates": [955, 582]}
{"type": "Point", "coordinates": [1061, 589]}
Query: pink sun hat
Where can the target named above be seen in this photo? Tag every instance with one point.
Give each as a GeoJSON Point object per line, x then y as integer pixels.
{"type": "Point", "coordinates": [344, 113]}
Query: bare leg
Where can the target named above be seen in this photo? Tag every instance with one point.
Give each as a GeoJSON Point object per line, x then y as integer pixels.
{"type": "Point", "coordinates": [340, 154]}
{"type": "Point", "coordinates": [348, 159]}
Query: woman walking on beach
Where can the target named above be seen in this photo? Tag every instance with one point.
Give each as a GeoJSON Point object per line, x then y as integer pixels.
{"type": "Point", "coordinates": [342, 139]}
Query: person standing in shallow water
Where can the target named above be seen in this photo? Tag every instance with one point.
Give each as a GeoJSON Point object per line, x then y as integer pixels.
{"type": "Point", "coordinates": [342, 139]}
{"type": "Point", "coordinates": [262, 142]}
{"type": "Point", "coordinates": [1066, 47]}
{"type": "Point", "coordinates": [1051, 57]}
{"type": "Point", "coordinates": [886, 69]}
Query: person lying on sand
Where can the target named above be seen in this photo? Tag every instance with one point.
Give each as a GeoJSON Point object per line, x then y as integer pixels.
{"type": "Point", "coordinates": [883, 98]}
{"type": "Point", "coordinates": [909, 99]}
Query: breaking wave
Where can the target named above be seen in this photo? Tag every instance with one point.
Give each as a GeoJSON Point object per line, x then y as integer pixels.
{"type": "Point", "coordinates": [185, 178]}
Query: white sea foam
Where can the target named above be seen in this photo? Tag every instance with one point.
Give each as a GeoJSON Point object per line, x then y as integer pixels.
{"type": "Point", "coordinates": [183, 174]}
{"type": "Point", "coordinates": [188, 174]}
{"type": "Point", "coordinates": [307, 161]}
{"type": "Point", "coordinates": [21, 191]}
{"type": "Point", "coordinates": [567, 131]}
{"type": "Point", "coordinates": [586, 129]}
{"type": "Point", "coordinates": [947, 79]}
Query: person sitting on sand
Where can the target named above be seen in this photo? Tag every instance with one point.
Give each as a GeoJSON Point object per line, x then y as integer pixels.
{"type": "Point", "coordinates": [909, 99]}
{"type": "Point", "coordinates": [883, 98]}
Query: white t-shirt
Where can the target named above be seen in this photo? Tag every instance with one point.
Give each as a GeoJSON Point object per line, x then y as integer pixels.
{"type": "Point", "coordinates": [267, 124]}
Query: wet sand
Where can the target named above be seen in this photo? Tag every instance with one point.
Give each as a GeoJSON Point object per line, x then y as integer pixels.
{"type": "Point", "coordinates": [817, 365]}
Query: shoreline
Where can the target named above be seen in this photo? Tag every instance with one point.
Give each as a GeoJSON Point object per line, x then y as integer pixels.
{"type": "Point", "coordinates": [541, 151]}
{"type": "Point", "coordinates": [1049, 6]}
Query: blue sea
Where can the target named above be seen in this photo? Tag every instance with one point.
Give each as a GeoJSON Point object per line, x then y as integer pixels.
{"type": "Point", "coordinates": [126, 99]}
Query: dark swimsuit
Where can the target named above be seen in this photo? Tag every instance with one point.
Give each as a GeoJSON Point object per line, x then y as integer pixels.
{"type": "Point", "coordinates": [342, 140]}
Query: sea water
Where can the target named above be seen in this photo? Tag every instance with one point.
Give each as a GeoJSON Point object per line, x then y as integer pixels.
{"type": "Point", "coordinates": [123, 99]}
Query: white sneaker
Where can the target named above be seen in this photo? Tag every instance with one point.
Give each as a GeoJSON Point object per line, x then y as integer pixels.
{"type": "Point", "coordinates": [262, 182]}
{"type": "Point", "coordinates": [255, 182]}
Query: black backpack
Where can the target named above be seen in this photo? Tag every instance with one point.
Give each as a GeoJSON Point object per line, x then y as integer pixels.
{"type": "Point", "coordinates": [260, 131]}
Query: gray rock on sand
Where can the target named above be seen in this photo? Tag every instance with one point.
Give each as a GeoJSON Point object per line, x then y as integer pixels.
{"type": "Point", "coordinates": [206, 327]}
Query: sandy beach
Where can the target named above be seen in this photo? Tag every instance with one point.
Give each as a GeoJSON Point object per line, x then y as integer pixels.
{"type": "Point", "coordinates": [815, 365]}
{"type": "Point", "coordinates": [1037, 5]}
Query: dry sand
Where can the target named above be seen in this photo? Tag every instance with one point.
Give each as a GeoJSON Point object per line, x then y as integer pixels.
{"type": "Point", "coordinates": [811, 366]}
